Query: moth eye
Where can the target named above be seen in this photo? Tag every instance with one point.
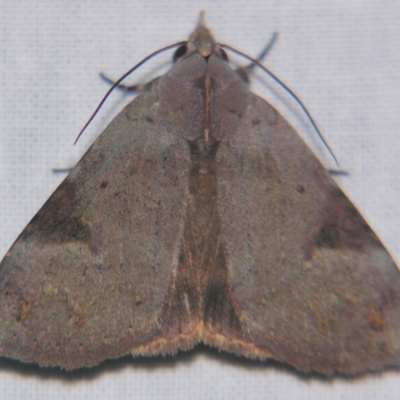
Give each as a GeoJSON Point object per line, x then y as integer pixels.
{"type": "Point", "coordinates": [224, 55]}
{"type": "Point", "coordinates": [179, 53]}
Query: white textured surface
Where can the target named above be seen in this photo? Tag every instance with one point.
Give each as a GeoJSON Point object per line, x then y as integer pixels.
{"type": "Point", "coordinates": [341, 57]}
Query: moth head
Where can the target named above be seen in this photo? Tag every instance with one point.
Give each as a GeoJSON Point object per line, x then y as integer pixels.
{"type": "Point", "coordinates": [201, 41]}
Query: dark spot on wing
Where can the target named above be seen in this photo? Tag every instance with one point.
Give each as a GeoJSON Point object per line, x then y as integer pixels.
{"type": "Point", "coordinates": [328, 236]}
{"type": "Point", "coordinates": [60, 220]}
{"type": "Point", "coordinates": [342, 225]}
{"type": "Point", "coordinates": [300, 189]}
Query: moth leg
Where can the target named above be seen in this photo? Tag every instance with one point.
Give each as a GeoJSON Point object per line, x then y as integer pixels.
{"type": "Point", "coordinates": [130, 88]}
{"type": "Point", "coordinates": [244, 72]}
{"type": "Point", "coordinates": [338, 172]}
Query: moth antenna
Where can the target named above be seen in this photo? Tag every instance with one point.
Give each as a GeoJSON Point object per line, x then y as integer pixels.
{"type": "Point", "coordinates": [118, 81]}
{"type": "Point", "coordinates": [291, 93]}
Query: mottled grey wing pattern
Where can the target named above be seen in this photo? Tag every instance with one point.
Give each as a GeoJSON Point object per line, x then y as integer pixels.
{"type": "Point", "coordinates": [87, 277]}
{"type": "Point", "coordinates": [312, 284]}
{"type": "Point", "coordinates": [200, 215]}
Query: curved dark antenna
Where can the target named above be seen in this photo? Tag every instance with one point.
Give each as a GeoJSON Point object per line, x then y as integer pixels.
{"type": "Point", "coordinates": [116, 83]}
{"type": "Point", "coordinates": [299, 102]}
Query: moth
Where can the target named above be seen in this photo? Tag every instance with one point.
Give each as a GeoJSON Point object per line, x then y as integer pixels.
{"type": "Point", "coordinates": [199, 215]}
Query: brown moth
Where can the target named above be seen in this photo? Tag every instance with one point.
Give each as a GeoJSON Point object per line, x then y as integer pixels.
{"type": "Point", "coordinates": [199, 215]}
